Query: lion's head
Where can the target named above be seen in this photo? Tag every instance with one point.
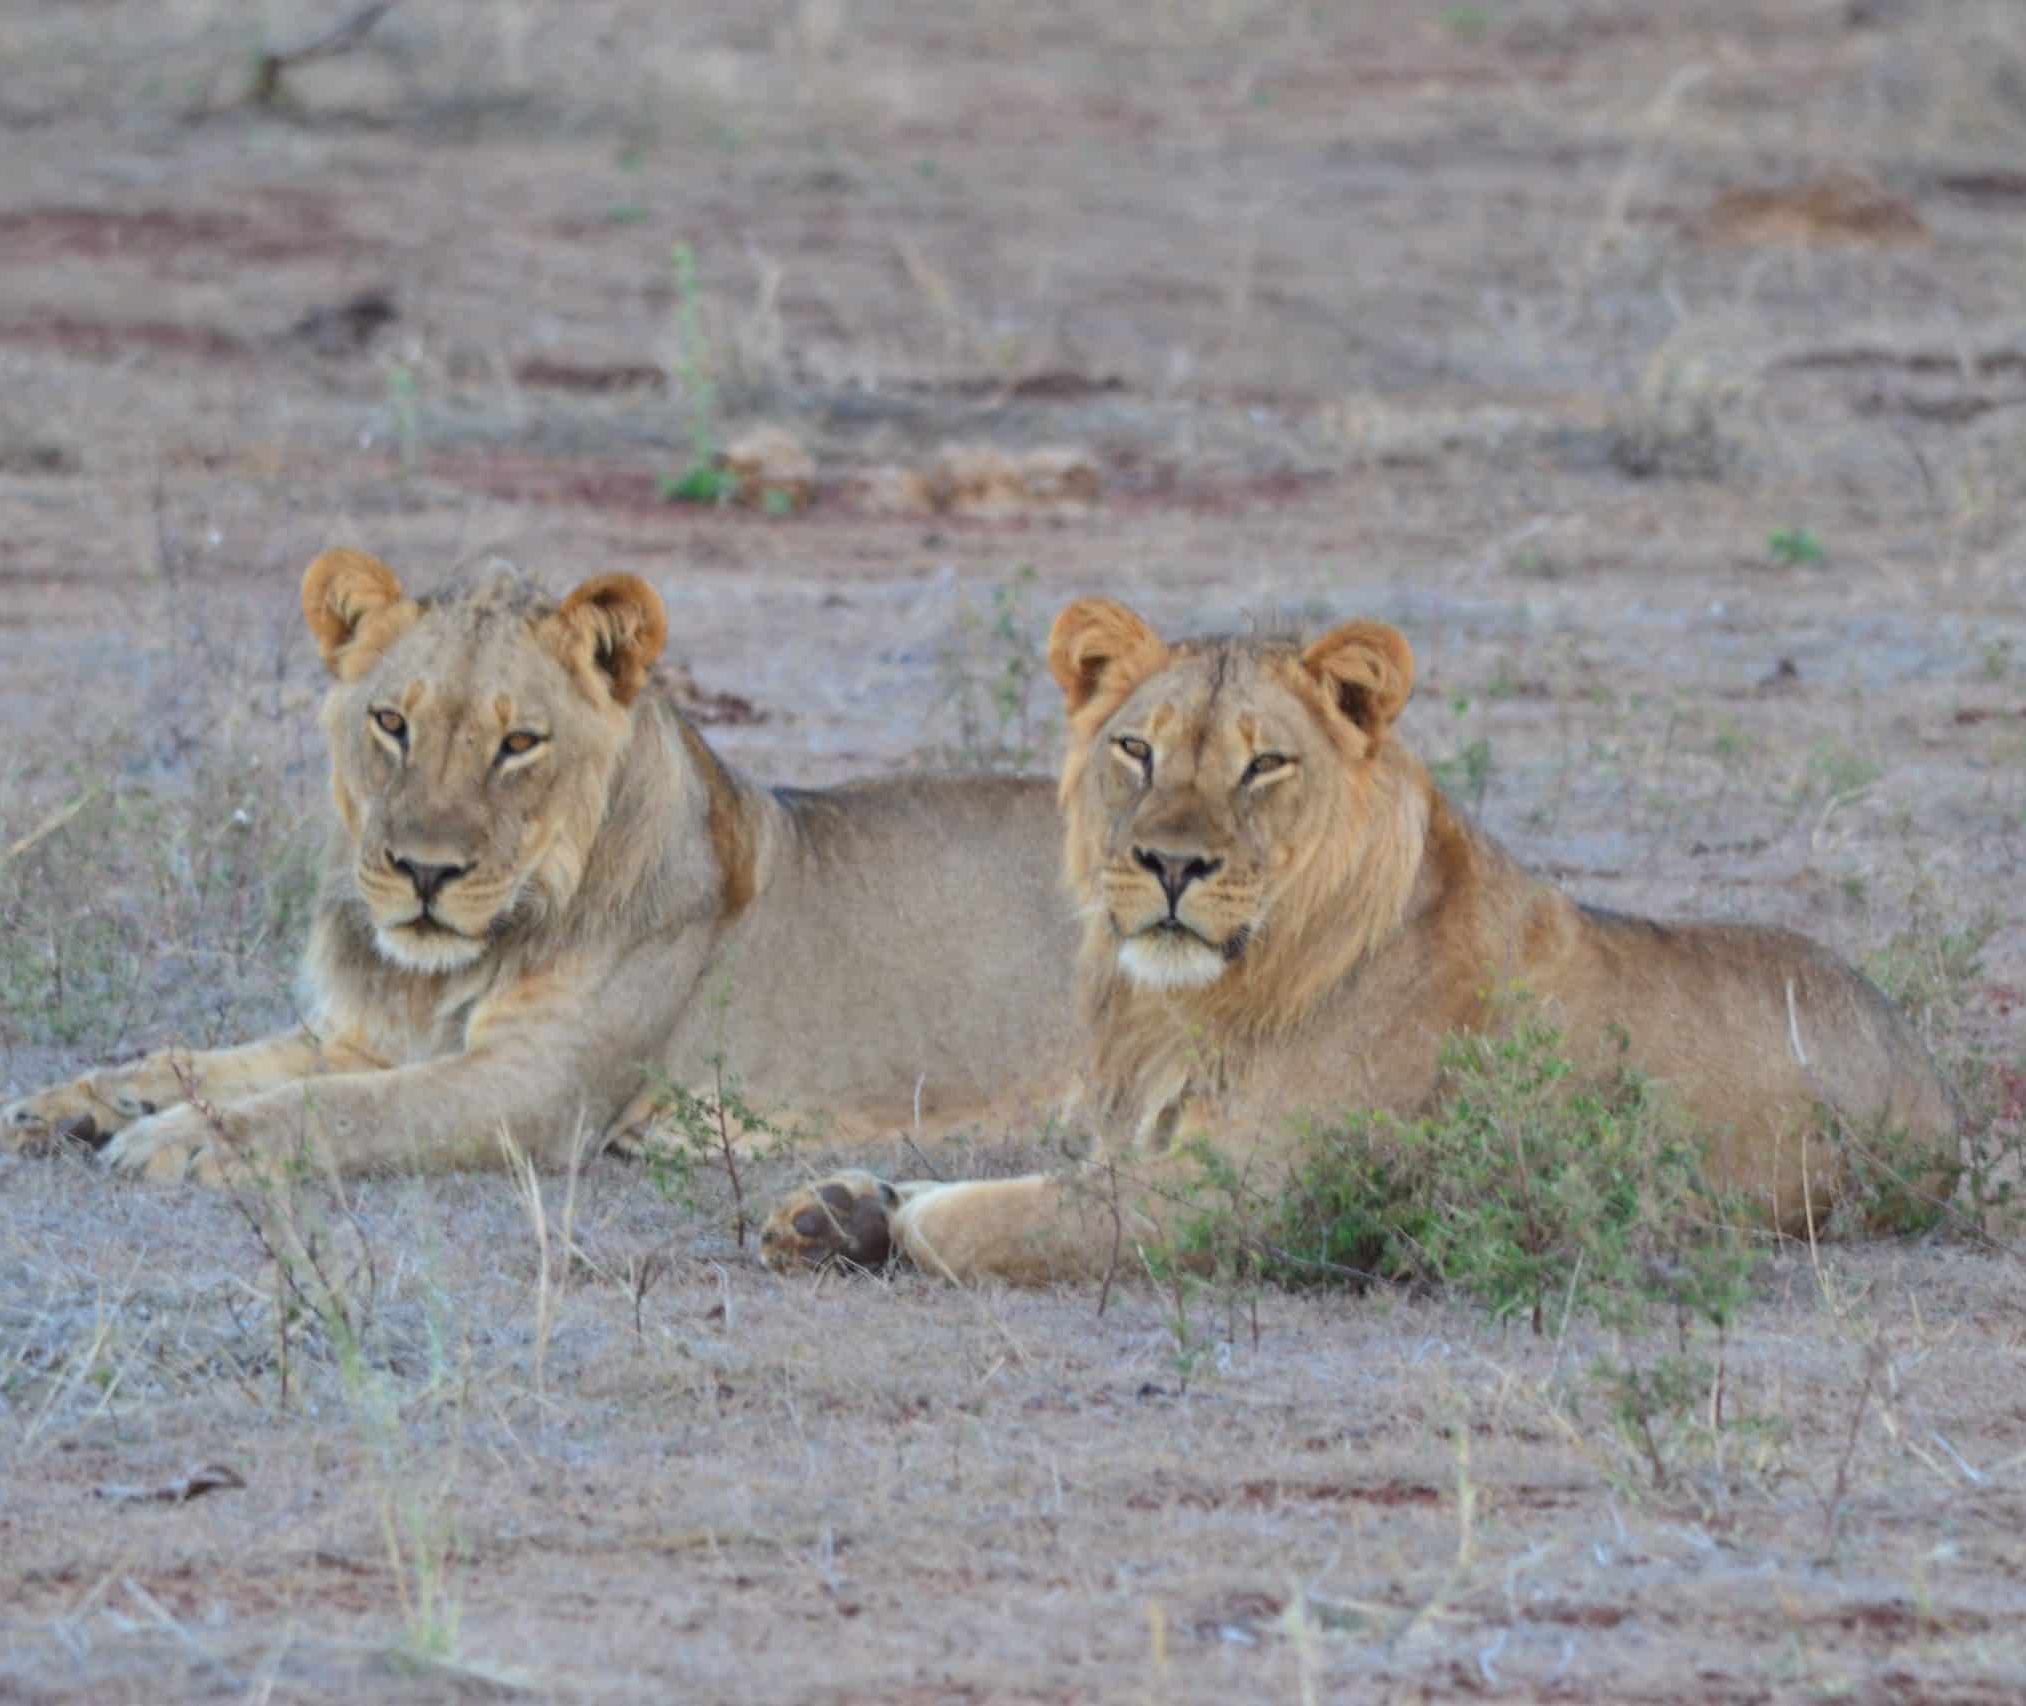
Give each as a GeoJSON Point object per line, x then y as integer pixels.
{"type": "Point", "coordinates": [1238, 815]}
{"type": "Point", "coordinates": [473, 741]}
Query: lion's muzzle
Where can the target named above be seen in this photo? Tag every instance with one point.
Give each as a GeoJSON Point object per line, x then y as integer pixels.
{"type": "Point", "coordinates": [1175, 872]}
{"type": "Point", "coordinates": [427, 880]}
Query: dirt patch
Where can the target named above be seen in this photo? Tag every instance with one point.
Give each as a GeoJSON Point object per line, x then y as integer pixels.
{"type": "Point", "coordinates": [36, 236]}
{"type": "Point", "coordinates": [1999, 189]}
{"type": "Point", "coordinates": [1841, 208]}
{"type": "Point", "coordinates": [525, 479]}
{"type": "Point", "coordinates": [544, 373]}
{"type": "Point", "coordinates": [1383, 1495]}
{"type": "Point", "coordinates": [113, 340]}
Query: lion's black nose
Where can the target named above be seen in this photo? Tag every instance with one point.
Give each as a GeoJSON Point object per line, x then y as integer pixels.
{"type": "Point", "coordinates": [428, 880]}
{"type": "Point", "coordinates": [1175, 871]}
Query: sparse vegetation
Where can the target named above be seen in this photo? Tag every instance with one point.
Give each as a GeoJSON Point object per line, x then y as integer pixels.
{"type": "Point", "coordinates": [1680, 424]}
{"type": "Point", "coordinates": [1933, 967]}
{"type": "Point", "coordinates": [404, 411]}
{"type": "Point", "coordinates": [1466, 772]}
{"type": "Point", "coordinates": [1792, 546]}
{"type": "Point", "coordinates": [1531, 1190]}
{"type": "Point", "coordinates": [989, 673]}
{"type": "Point", "coordinates": [1541, 1194]}
{"type": "Point", "coordinates": [1836, 772]}
{"type": "Point", "coordinates": [699, 1133]}
{"type": "Point", "coordinates": [704, 480]}
{"type": "Point", "coordinates": [639, 1465]}
{"type": "Point", "coordinates": [146, 909]}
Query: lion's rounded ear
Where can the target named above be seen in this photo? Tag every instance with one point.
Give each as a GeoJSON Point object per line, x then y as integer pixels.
{"type": "Point", "coordinates": [1367, 669]}
{"type": "Point", "coordinates": [1090, 640]}
{"type": "Point", "coordinates": [616, 625]}
{"type": "Point", "coordinates": [340, 590]}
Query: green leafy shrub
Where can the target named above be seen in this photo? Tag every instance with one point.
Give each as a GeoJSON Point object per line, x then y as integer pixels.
{"type": "Point", "coordinates": [1532, 1188]}
{"type": "Point", "coordinates": [1536, 1189]}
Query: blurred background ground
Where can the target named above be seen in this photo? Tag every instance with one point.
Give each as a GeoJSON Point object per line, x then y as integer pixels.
{"type": "Point", "coordinates": [1660, 370]}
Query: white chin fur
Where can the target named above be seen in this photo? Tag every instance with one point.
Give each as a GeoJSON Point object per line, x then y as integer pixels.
{"type": "Point", "coordinates": [1176, 962]}
{"type": "Point", "coordinates": [435, 951]}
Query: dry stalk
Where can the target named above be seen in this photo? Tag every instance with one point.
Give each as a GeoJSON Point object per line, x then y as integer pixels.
{"type": "Point", "coordinates": [50, 825]}
{"type": "Point", "coordinates": [739, 1222]}
{"type": "Point", "coordinates": [1118, 1234]}
{"type": "Point", "coordinates": [552, 1260]}
{"type": "Point", "coordinates": [342, 36]}
{"type": "Point", "coordinates": [1832, 1506]}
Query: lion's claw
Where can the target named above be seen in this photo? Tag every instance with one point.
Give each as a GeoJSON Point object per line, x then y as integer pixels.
{"type": "Point", "coordinates": [181, 1145]}
{"type": "Point", "coordinates": [70, 1113]}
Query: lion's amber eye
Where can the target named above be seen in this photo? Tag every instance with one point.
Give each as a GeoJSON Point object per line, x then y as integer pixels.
{"type": "Point", "coordinates": [392, 723]}
{"type": "Point", "coordinates": [1135, 748]}
{"type": "Point", "coordinates": [1264, 764]}
{"type": "Point", "coordinates": [519, 743]}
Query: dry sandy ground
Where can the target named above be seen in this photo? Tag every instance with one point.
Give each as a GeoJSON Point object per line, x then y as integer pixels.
{"type": "Point", "coordinates": [1659, 369]}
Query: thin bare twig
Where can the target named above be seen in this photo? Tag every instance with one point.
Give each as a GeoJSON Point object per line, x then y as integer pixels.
{"type": "Point", "coordinates": [1832, 1507]}
{"type": "Point", "coordinates": [345, 34]}
{"type": "Point", "coordinates": [731, 1160]}
{"type": "Point", "coordinates": [1118, 1233]}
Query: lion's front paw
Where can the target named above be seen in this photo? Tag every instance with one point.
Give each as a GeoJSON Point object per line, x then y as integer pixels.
{"type": "Point", "coordinates": [68, 1113]}
{"type": "Point", "coordinates": [847, 1218]}
{"type": "Point", "coordinates": [183, 1144]}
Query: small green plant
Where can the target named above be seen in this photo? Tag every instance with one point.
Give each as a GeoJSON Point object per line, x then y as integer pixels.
{"type": "Point", "coordinates": [1467, 770]}
{"type": "Point", "coordinates": [1792, 546]}
{"type": "Point", "coordinates": [1732, 745]}
{"type": "Point", "coordinates": [1838, 771]}
{"type": "Point", "coordinates": [699, 1131]}
{"type": "Point", "coordinates": [404, 405]}
{"type": "Point", "coordinates": [699, 484]}
{"type": "Point", "coordinates": [1998, 657]}
{"type": "Point", "coordinates": [1530, 562]}
{"type": "Point", "coordinates": [702, 1130]}
{"type": "Point", "coordinates": [1190, 1348]}
{"type": "Point", "coordinates": [1897, 1189]}
{"type": "Point", "coordinates": [1934, 969]}
{"type": "Point", "coordinates": [703, 481]}
{"type": "Point", "coordinates": [988, 680]}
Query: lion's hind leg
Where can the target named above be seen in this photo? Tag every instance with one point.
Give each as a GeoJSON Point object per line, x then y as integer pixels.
{"type": "Point", "coordinates": [1043, 1229]}
{"type": "Point", "coordinates": [1039, 1230]}
{"type": "Point", "coordinates": [847, 1218]}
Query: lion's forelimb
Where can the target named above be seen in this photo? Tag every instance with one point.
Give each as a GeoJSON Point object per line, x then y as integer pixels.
{"type": "Point", "coordinates": [550, 1060]}
{"type": "Point", "coordinates": [105, 1102]}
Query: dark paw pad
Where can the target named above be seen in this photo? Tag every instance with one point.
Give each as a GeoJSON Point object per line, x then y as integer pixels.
{"type": "Point", "coordinates": [82, 1128]}
{"type": "Point", "coordinates": [847, 1221]}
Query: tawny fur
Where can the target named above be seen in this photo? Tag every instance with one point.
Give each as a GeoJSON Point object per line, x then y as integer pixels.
{"type": "Point", "coordinates": [626, 909]}
{"type": "Point", "coordinates": [1359, 919]}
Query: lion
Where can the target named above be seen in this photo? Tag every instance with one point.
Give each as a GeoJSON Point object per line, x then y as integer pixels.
{"type": "Point", "coordinates": [1284, 916]}
{"type": "Point", "coordinates": [544, 895]}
